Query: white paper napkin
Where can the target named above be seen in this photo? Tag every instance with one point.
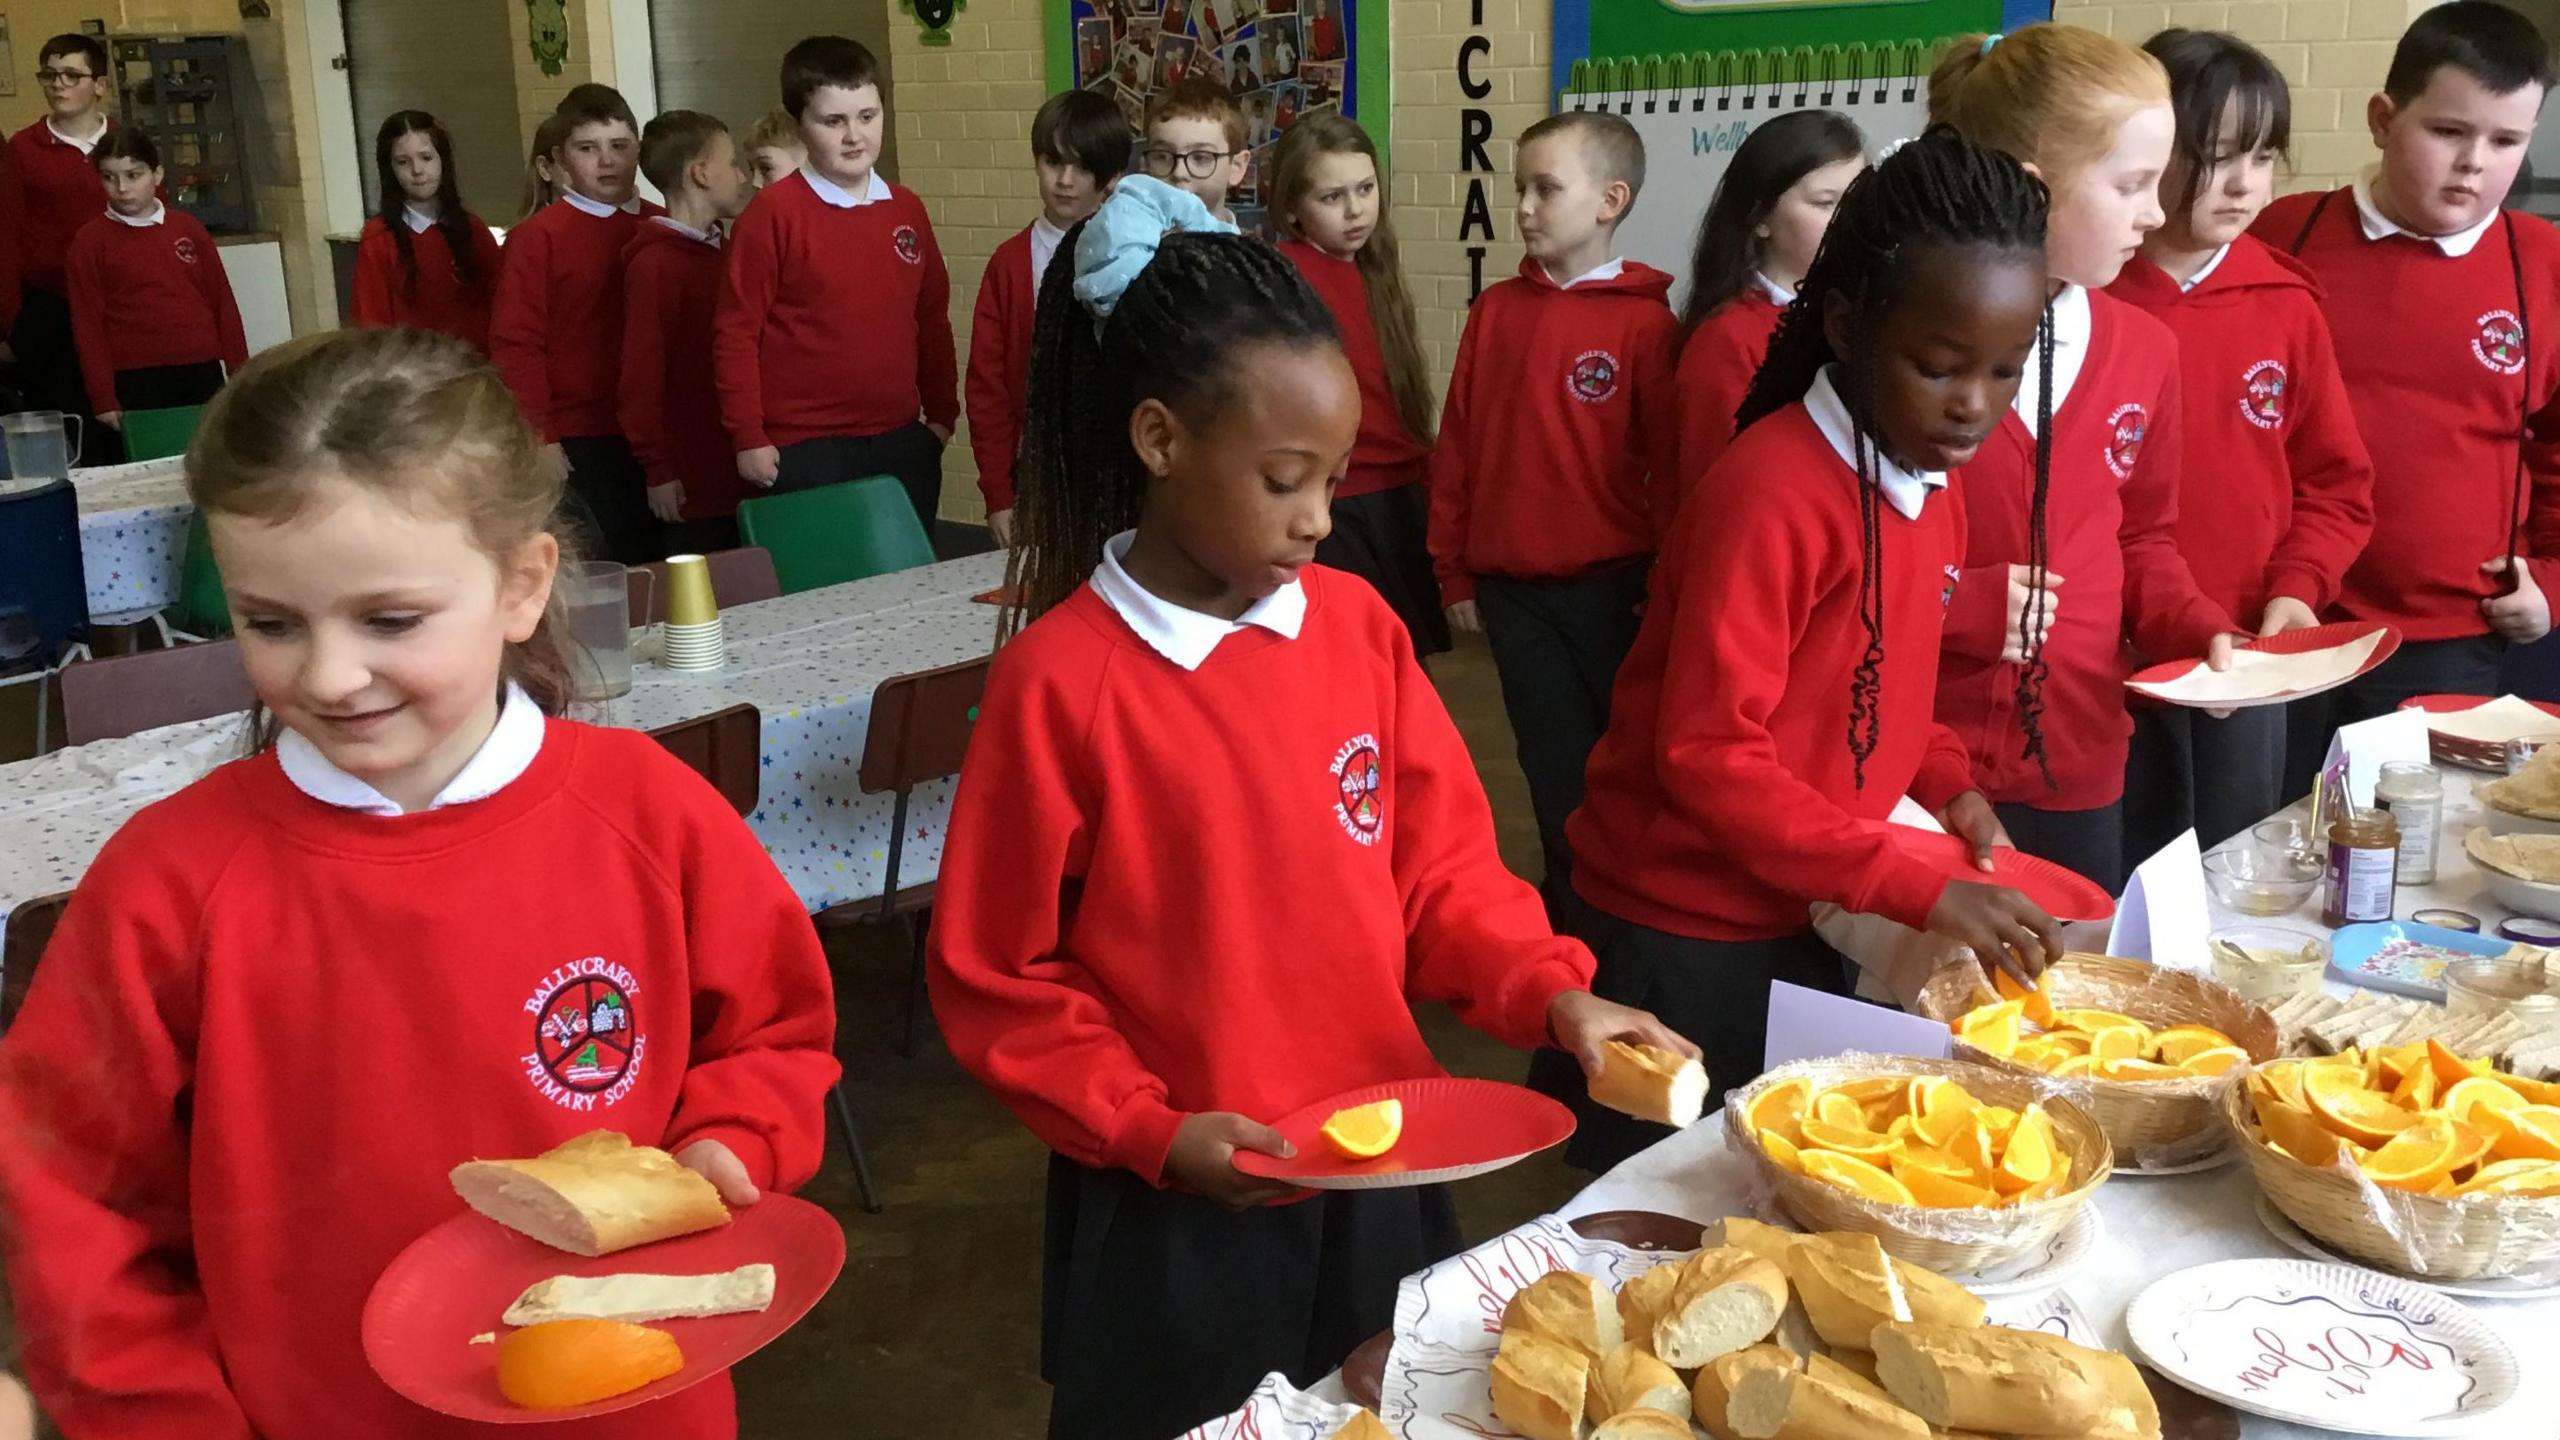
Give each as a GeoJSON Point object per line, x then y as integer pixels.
{"type": "Point", "coordinates": [1276, 1411]}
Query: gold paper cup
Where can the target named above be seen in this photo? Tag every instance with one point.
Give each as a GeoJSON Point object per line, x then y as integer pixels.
{"type": "Point", "coordinates": [689, 599]}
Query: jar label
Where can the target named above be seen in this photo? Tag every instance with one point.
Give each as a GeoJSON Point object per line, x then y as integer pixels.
{"type": "Point", "coordinates": [2361, 883]}
{"type": "Point", "coordinates": [2417, 821]}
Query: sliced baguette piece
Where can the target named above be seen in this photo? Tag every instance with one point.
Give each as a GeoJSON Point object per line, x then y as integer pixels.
{"type": "Point", "coordinates": [1848, 1285]}
{"type": "Point", "coordinates": [1727, 1299]}
{"type": "Point", "coordinates": [1364, 1426]}
{"type": "Point", "coordinates": [1645, 1424]}
{"type": "Point", "coordinates": [1744, 1233]}
{"type": "Point", "coordinates": [1630, 1378]}
{"type": "Point", "coordinates": [1712, 1390]}
{"type": "Point", "coordinates": [1650, 1083]}
{"type": "Point", "coordinates": [1936, 1300]}
{"type": "Point", "coordinates": [1642, 1300]}
{"type": "Point", "coordinates": [1539, 1385]}
{"type": "Point", "coordinates": [593, 1195]}
{"type": "Point", "coordinates": [1992, 1378]}
{"type": "Point", "coordinates": [1785, 1405]}
{"type": "Point", "coordinates": [1570, 1308]}
{"type": "Point", "coordinates": [638, 1298]}
{"type": "Point", "coordinates": [1847, 1377]}
{"type": "Point", "coordinates": [2131, 1413]}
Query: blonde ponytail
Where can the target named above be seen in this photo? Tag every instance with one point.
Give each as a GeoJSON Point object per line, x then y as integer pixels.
{"type": "Point", "coordinates": [2052, 96]}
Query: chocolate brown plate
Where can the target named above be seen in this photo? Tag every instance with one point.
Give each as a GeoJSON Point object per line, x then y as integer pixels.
{"type": "Point", "coordinates": [1365, 1369]}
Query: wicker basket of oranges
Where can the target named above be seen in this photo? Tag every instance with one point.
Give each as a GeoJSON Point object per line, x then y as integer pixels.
{"type": "Point", "coordinates": [2141, 1048]}
{"type": "Point", "coordinates": [2411, 1158]}
{"type": "Point", "coordinates": [1953, 1166]}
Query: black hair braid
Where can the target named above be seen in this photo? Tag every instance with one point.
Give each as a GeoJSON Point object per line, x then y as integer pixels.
{"type": "Point", "coordinates": [1866, 686]}
{"type": "Point", "coordinates": [2034, 671]}
{"type": "Point", "coordinates": [1178, 334]}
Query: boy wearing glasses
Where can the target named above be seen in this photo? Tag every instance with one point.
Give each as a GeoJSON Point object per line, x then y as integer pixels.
{"type": "Point", "coordinates": [1195, 141]}
{"type": "Point", "coordinates": [47, 192]}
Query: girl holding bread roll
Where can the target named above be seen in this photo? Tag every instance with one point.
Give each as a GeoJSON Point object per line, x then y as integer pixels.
{"type": "Point", "coordinates": [1779, 695]}
{"type": "Point", "coordinates": [426, 921]}
{"type": "Point", "coordinates": [1215, 834]}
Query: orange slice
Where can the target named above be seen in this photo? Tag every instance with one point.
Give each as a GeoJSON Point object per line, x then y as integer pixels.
{"type": "Point", "coordinates": [1872, 1088]}
{"type": "Point", "coordinates": [2000, 1118]}
{"type": "Point", "coordinates": [2338, 1096]}
{"type": "Point", "coordinates": [2051, 1185]}
{"type": "Point", "coordinates": [2417, 1087]}
{"type": "Point", "coordinates": [2535, 1092]}
{"type": "Point", "coordinates": [2174, 1045]}
{"type": "Point", "coordinates": [2216, 1060]}
{"type": "Point", "coordinates": [2514, 1177]}
{"type": "Point", "coordinates": [1927, 1092]}
{"type": "Point", "coordinates": [1821, 1135]}
{"type": "Point", "coordinates": [1835, 1109]}
{"type": "Point", "coordinates": [1857, 1177]}
{"type": "Point", "coordinates": [563, 1364]}
{"type": "Point", "coordinates": [1993, 1029]}
{"type": "Point", "coordinates": [2471, 1145]}
{"type": "Point", "coordinates": [1781, 1108]}
{"type": "Point", "coordinates": [2118, 1042]}
{"type": "Point", "coordinates": [2478, 1092]}
{"type": "Point", "coordinates": [2282, 1081]}
{"type": "Point", "coordinates": [2029, 1155]}
{"type": "Point", "coordinates": [1782, 1150]}
{"type": "Point", "coordinates": [2530, 1132]}
{"type": "Point", "coordinates": [2299, 1133]}
{"type": "Point", "coordinates": [2416, 1158]}
{"type": "Point", "coordinates": [1940, 1128]}
{"type": "Point", "coordinates": [2034, 1004]}
{"type": "Point", "coordinates": [1365, 1132]}
{"type": "Point", "coordinates": [1973, 1146]}
{"type": "Point", "coordinates": [1944, 1192]}
{"type": "Point", "coordinates": [2077, 1066]}
{"type": "Point", "coordinates": [2397, 1061]}
{"type": "Point", "coordinates": [2451, 1069]}
{"type": "Point", "coordinates": [2092, 1021]}
{"type": "Point", "coordinates": [2042, 1052]}
{"type": "Point", "coordinates": [2134, 1067]}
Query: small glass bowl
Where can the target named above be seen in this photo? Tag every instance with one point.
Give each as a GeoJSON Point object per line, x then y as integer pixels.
{"type": "Point", "coordinates": [2493, 984]}
{"type": "Point", "coordinates": [2255, 882]}
{"type": "Point", "coordinates": [2266, 964]}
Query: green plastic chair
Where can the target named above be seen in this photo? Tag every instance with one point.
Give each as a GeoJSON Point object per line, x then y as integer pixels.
{"type": "Point", "coordinates": [836, 533]}
{"type": "Point", "coordinates": [200, 609]}
{"type": "Point", "coordinates": [159, 434]}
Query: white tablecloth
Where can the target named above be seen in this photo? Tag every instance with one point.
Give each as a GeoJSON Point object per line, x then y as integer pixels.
{"type": "Point", "coordinates": [2457, 885]}
{"type": "Point", "coordinates": [133, 534]}
{"type": "Point", "coordinates": [807, 662]}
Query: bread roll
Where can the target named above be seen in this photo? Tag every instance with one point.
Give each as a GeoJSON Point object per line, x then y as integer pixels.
{"type": "Point", "coordinates": [1772, 1404]}
{"type": "Point", "coordinates": [638, 1298]}
{"type": "Point", "coordinates": [1364, 1426]}
{"type": "Point", "coordinates": [1713, 1389]}
{"type": "Point", "coordinates": [1843, 1281]}
{"type": "Point", "coordinates": [1539, 1385]}
{"type": "Point", "coordinates": [1650, 1083]}
{"type": "Point", "coordinates": [1642, 1300]}
{"type": "Point", "coordinates": [593, 1195]}
{"type": "Point", "coordinates": [1644, 1425]}
{"type": "Point", "coordinates": [1570, 1308]}
{"type": "Point", "coordinates": [2131, 1413]}
{"type": "Point", "coordinates": [1936, 1300]}
{"type": "Point", "coordinates": [1744, 1233]}
{"type": "Point", "coordinates": [1630, 1378]}
{"type": "Point", "coordinates": [1726, 1299]}
{"type": "Point", "coordinates": [1991, 1378]}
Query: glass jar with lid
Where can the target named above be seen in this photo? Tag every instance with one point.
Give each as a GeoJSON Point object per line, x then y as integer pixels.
{"type": "Point", "coordinates": [2364, 861]}
{"type": "Point", "coordinates": [2414, 794]}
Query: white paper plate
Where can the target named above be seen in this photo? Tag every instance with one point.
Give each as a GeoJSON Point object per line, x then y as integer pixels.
{"type": "Point", "coordinates": [2539, 1283]}
{"type": "Point", "coordinates": [2045, 1266]}
{"type": "Point", "coordinates": [2052, 1312]}
{"type": "Point", "coordinates": [2330, 1346]}
{"type": "Point", "coordinates": [2214, 1161]}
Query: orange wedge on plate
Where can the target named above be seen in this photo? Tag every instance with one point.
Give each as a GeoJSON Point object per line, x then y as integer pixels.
{"type": "Point", "coordinates": [563, 1364]}
{"type": "Point", "coordinates": [2034, 1004]}
{"type": "Point", "coordinates": [1781, 1108]}
{"type": "Point", "coordinates": [2216, 1060]}
{"type": "Point", "coordinates": [2338, 1096]}
{"type": "Point", "coordinates": [2299, 1133]}
{"type": "Point", "coordinates": [1782, 1150]}
{"type": "Point", "coordinates": [2416, 1158]}
{"type": "Point", "coordinates": [1365, 1132]}
{"type": "Point", "coordinates": [2530, 1132]}
{"type": "Point", "coordinates": [1857, 1177]}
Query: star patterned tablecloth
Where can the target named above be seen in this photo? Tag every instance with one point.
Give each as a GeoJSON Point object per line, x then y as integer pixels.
{"type": "Point", "coordinates": [133, 534]}
{"type": "Point", "coordinates": [807, 662]}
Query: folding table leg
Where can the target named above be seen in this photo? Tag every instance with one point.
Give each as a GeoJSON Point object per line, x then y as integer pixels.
{"type": "Point", "coordinates": [870, 1189]}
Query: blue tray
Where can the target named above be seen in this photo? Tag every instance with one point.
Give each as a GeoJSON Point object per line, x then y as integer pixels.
{"type": "Point", "coordinates": [2356, 958]}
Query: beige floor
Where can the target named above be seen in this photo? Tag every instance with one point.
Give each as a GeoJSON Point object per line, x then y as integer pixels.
{"type": "Point", "coordinates": [932, 1333]}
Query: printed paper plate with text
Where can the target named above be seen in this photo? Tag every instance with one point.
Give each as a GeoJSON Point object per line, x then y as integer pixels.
{"type": "Point", "coordinates": [2273, 670]}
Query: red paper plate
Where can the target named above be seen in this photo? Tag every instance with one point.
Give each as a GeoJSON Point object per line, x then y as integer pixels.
{"type": "Point", "coordinates": [2064, 894]}
{"type": "Point", "coordinates": [2292, 642]}
{"type": "Point", "coordinates": [1452, 1129]}
{"type": "Point", "coordinates": [2456, 704]}
{"type": "Point", "coordinates": [456, 1280]}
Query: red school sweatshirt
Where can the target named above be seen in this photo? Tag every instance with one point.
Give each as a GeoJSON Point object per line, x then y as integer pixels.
{"type": "Point", "coordinates": [834, 321]}
{"type": "Point", "coordinates": [48, 191]}
{"type": "Point", "coordinates": [555, 330]}
{"type": "Point", "coordinates": [2428, 345]}
{"type": "Point", "coordinates": [268, 1027]}
{"type": "Point", "coordinates": [1717, 362]}
{"type": "Point", "coordinates": [1170, 891]}
{"type": "Point", "coordinates": [670, 408]}
{"type": "Point", "coordinates": [149, 295]}
{"type": "Point", "coordinates": [1387, 454]}
{"type": "Point", "coordinates": [2111, 520]}
{"type": "Point", "coordinates": [1722, 800]}
{"type": "Point", "coordinates": [1559, 408]}
{"type": "Point", "coordinates": [2286, 498]}
{"type": "Point", "coordinates": [999, 387]}
{"type": "Point", "coordinates": [433, 295]}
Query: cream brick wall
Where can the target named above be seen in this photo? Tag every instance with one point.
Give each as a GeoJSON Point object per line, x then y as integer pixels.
{"type": "Point", "coordinates": [963, 117]}
{"type": "Point", "coordinates": [2332, 52]}
{"type": "Point", "coordinates": [590, 58]}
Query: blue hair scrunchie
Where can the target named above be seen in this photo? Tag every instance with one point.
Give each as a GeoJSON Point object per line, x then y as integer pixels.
{"type": "Point", "coordinates": [1990, 40]}
{"type": "Point", "coordinates": [1125, 233]}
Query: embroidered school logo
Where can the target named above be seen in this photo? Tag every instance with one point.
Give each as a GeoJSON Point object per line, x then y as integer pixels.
{"type": "Point", "coordinates": [2262, 394]}
{"type": "Point", "coordinates": [1947, 592]}
{"type": "Point", "coordinates": [2500, 342]}
{"type": "Point", "coordinates": [1594, 376]}
{"type": "Point", "coordinates": [186, 248]}
{"type": "Point", "coordinates": [587, 1044]}
{"type": "Point", "coordinates": [909, 245]}
{"type": "Point", "coordinates": [1357, 776]}
{"type": "Point", "coordinates": [2125, 429]}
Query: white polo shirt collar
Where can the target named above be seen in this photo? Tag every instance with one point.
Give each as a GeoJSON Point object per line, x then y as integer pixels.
{"type": "Point", "coordinates": [1779, 295]}
{"type": "Point", "coordinates": [74, 141]}
{"type": "Point", "coordinates": [2070, 352]}
{"type": "Point", "coordinates": [419, 221]}
{"type": "Point", "coordinates": [707, 237]}
{"type": "Point", "coordinates": [1904, 489]}
{"type": "Point", "coordinates": [1185, 636]}
{"type": "Point", "coordinates": [1605, 270]}
{"type": "Point", "coordinates": [2210, 266]}
{"type": "Point", "coordinates": [598, 208]}
{"type": "Point", "coordinates": [2378, 225]}
{"type": "Point", "coordinates": [1044, 248]}
{"type": "Point", "coordinates": [501, 760]}
{"type": "Point", "coordinates": [159, 212]}
{"type": "Point", "coordinates": [841, 198]}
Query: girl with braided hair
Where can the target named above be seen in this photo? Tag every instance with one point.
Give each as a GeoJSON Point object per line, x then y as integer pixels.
{"type": "Point", "coordinates": [1214, 835]}
{"type": "Point", "coordinates": [1777, 704]}
{"type": "Point", "coordinates": [2072, 506]}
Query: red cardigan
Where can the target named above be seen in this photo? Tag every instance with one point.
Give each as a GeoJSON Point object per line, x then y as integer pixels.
{"type": "Point", "coordinates": [1000, 366]}
{"type": "Point", "coordinates": [1717, 362]}
{"type": "Point", "coordinates": [149, 295]}
{"type": "Point", "coordinates": [436, 296]}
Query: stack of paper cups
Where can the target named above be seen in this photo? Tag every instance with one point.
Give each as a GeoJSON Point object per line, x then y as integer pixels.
{"type": "Point", "coordinates": [693, 637]}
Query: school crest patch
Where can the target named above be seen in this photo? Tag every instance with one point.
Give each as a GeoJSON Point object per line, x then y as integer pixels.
{"type": "Point", "coordinates": [2125, 429]}
{"type": "Point", "coordinates": [1947, 592]}
{"type": "Point", "coordinates": [908, 244]}
{"type": "Point", "coordinates": [1359, 804]}
{"type": "Point", "coordinates": [2262, 394]}
{"type": "Point", "coordinates": [186, 248]}
{"type": "Point", "coordinates": [2499, 342]}
{"type": "Point", "coordinates": [1594, 376]}
{"type": "Point", "coordinates": [587, 1042]}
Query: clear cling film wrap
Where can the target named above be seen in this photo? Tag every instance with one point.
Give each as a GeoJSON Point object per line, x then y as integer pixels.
{"type": "Point", "coordinates": [2166, 1123]}
{"type": "Point", "coordinates": [1955, 1241]}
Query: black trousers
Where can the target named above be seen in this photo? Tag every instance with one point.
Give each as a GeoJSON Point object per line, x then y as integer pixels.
{"type": "Point", "coordinates": [1381, 537]}
{"type": "Point", "coordinates": [2466, 666]}
{"type": "Point", "coordinates": [2189, 770]}
{"type": "Point", "coordinates": [1557, 645]}
{"type": "Point", "coordinates": [1715, 992]}
{"type": "Point", "coordinates": [168, 387]}
{"type": "Point", "coordinates": [1159, 1310]}
{"type": "Point", "coordinates": [608, 501]}
{"type": "Point", "coordinates": [2088, 842]}
{"type": "Point", "coordinates": [47, 373]}
{"type": "Point", "coordinates": [2532, 671]}
{"type": "Point", "coordinates": [910, 453]}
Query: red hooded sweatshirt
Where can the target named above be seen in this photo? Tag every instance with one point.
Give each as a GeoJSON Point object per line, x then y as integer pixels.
{"type": "Point", "coordinates": [2111, 519]}
{"type": "Point", "coordinates": [48, 190]}
{"type": "Point", "coordinates": [669, 409]}
{"type": "Point", "coordinates": [2277, 497]}
{"type": "Point", "coordinates": [1716, 365]}
{"type": "Point", "coordinates": [999, 380]}
{"type": "Point", "coordinates": [1561, 405]}
{"type": "Point", "coordinates": [2440, 377]}
{"type": "Point", "coordinates": [1387, 454]}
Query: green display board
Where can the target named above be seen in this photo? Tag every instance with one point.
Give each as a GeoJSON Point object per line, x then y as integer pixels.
{"type": "Point", "coordinates": [1588, 32]}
